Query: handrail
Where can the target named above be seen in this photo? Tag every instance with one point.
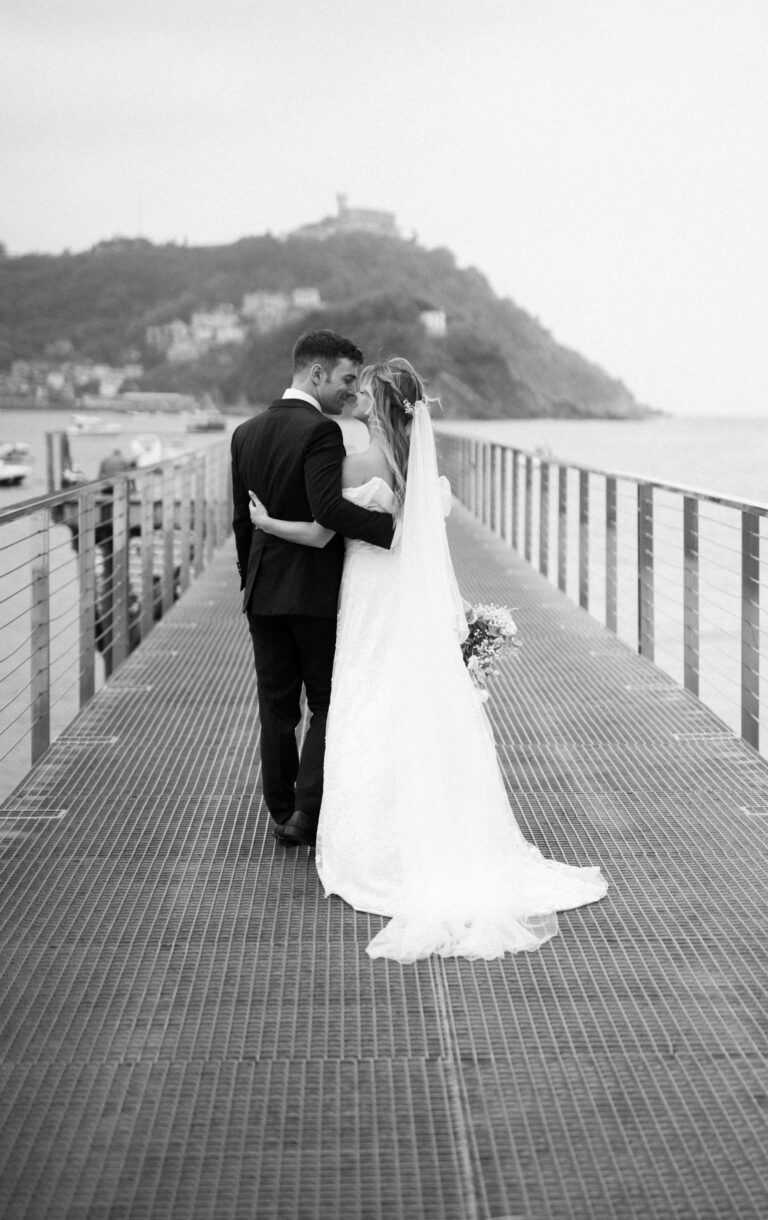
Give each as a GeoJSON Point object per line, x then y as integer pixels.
{"type": "Point", "coordinates": [89, 571]}
{"type": "Point", "coordinates": [711, 497]}
{"type": "Point", "coordinates": [637, 553]}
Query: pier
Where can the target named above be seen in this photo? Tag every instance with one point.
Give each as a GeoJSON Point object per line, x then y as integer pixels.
{"type": "Point", "coordinates": [191, 1030]}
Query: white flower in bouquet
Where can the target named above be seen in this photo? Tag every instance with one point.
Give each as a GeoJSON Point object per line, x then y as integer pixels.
{"type": "Point", "coordinates": [492, 631]}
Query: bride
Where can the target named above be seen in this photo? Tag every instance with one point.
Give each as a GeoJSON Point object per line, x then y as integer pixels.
{"type": "Point", "coordinates": [415, 822]}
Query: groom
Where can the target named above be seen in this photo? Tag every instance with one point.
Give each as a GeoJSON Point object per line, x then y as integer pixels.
{"type": "Point", "coordinates": [291, 457]}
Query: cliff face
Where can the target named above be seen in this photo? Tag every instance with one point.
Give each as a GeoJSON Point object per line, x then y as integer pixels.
{"type": "Point", "coordinates": [486, 357]}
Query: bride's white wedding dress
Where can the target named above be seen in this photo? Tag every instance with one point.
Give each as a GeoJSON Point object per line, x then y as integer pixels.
{"type": "Point", "coordinates": [415, 820]}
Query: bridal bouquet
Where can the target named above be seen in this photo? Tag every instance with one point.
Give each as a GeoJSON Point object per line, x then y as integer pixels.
{"type": "Point", "coordinates": [492, 631]}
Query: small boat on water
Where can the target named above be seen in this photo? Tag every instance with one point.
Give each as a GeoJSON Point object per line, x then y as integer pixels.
{"type": "Point", "coordinates": [149, 450]}
{"type": "Point", "coordinates": [92, 425]}
{"type": "Point", "coordinates": [15, 463]}
{"type": "Point", "coordinates": [206, 421]}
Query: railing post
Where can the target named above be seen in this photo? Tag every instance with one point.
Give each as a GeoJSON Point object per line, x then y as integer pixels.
{"type": "Point", "coordinates": [496, 514]}
{"type": "Point", "coordinates": [584, 539]}
{"type": "Point", "coordinates": [491, 522]}
{"type": "Point", "coordinates": [169, 534]}
{"type": "Point", "coordinates": [147, 554]}
{"type": "Point", "coordinates": [611, 555]}
{"type": "Point", "coordinates": [516, 499]}
{"type": "Point", "coordinates": [86, 568]}
{"type": "Point", "coordinates": [544, 518]}
{"type": "Point", "coordinates": [479, 481]}
{"type": "Point", "coordinates": [185, 518]}
{"type": "Point", "coordinates": [210, 509]}
{"type": "Point", "coordinates": [645, 625]}
{"type": "Point", "coordinates": [200, 513]}
{"type": "Point", "coordinates": [40, 689]}
{"type": "Point", "coordinates": [121, 513]}
{"type": "Point", "coordinates": [750, 628]}
{"type": "Point", "coordinates": [691, 594]}
{"type": "Point", "coordinates": [562, 528]}
{"type": "Point", "coordinates": [506, 495]}
{"type": "Point", "coordinates": [528, 507]}
{"type": "Point", "coordinates": [467, 472]}
{"type": "Point", "coordinates": [50, 461]}
{"type": "Point", "coordinates": [487, 484]}
{"type": "Point", "coordinates": [218, 497]}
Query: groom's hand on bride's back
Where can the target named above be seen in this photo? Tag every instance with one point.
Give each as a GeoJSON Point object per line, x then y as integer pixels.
{"type": "Point", "coordinates": [257, 512]}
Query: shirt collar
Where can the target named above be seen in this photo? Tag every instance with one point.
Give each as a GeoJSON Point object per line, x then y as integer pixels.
{"type": "Point", "coordinates": [291, 393]}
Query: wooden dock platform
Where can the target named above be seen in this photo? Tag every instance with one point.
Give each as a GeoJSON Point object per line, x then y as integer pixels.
{"type": "Point", "coordinates": [190, 1030]}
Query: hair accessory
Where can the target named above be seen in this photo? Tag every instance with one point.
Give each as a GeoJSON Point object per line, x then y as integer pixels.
{"type": "Point", "coordinates": [409, 408]}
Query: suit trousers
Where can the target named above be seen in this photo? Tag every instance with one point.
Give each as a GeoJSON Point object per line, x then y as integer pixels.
{"type": "Point", "coordinates": [292, 651]}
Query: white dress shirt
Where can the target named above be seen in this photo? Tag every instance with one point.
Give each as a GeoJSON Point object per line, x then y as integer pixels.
{"type": "Point", "coordinates": [290, 393]}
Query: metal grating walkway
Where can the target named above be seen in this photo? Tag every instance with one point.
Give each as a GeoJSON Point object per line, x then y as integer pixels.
{"type": "Point", "coordinates": [190, 1030]}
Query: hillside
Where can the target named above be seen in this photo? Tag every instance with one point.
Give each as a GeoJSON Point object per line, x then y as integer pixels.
{"type": "Point", "coordinates": [494, 359]}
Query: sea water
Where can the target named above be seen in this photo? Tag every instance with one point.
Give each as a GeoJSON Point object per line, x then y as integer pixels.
{"type": "Point", "coordinates": [724, 456]}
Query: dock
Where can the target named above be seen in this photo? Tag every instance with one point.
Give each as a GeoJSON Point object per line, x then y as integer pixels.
{"type": "Point", "coordinates": [191, 1031]}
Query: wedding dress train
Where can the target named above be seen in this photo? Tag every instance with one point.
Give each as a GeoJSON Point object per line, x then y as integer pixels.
{"type": "Point", "coordinates": [415, 821]}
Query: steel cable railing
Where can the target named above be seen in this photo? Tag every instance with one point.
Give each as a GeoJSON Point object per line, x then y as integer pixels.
{"type": "Point", "coordinates": [674, 571]}
{"type": "Point", "coordinates": [87, 572]}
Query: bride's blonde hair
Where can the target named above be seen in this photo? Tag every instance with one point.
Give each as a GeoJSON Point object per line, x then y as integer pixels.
{"type": "Point", "coordinates": [394, 386]}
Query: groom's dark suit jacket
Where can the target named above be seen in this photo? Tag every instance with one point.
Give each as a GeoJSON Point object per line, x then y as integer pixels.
{"type": "Point", "coordinates": [291, 456]}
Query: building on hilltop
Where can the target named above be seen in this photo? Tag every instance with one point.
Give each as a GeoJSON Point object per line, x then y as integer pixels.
{"type": "Point", "coordinates": [351, 220]}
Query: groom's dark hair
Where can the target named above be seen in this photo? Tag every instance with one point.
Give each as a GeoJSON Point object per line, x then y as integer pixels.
{"type": "Point", "coordinates": [326, 346]}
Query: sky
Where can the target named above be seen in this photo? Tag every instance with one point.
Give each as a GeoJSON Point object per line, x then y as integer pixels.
{"type": "Point", "coordinates": [602, 162]}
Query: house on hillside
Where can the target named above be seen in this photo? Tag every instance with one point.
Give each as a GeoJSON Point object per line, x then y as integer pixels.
{"type": "Point", "coordinates": [68, 380]}
{"type": "Point", "coordinates": [214, 327]}
{"type": "Point", "coordinates": [434, 322]}
{"type": "Point", "coordinates": [181, 341]}
{"type": "Point", "coordinates": [267, 310]}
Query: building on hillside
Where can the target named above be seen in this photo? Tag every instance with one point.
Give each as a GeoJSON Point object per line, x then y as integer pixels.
{"type": "Point", "coordinates": [434, 322]}
{"type": "Point", "coordinates": [351, 220]}
{"type": "Point", "coordinates": [164, 337]}
{"type": "Point", "coordinates": [216, 327]}
{"type": "Point", "coordinates": [305, 299]}
{"type": "Point", "coordinates": [265, 310]}
{"type": "Point", "coordinates": [181, 341]}
{"type": "Point", "coordinates": [268, 310]}
{"type": "Point", "coordinates": [67, 380]}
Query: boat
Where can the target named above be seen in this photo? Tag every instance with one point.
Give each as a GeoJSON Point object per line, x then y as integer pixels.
{"type": "Point", "coordinates": [206, 421]}
{"type": "Point", "coordinates": [147, 450]}
{"type": "Point", "coordinates": [15, 463]}
{"type": "Point", "coordinates": [92, 425]}
{"type": "Point", "coordinates": [150, 450]}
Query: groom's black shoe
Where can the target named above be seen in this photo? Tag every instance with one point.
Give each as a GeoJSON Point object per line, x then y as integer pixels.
{"type": "Point", "coordinates": [300, 829]}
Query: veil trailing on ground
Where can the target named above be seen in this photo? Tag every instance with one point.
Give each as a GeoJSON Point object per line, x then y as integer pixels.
{"type": "Point", "coordinates": [471, 885]}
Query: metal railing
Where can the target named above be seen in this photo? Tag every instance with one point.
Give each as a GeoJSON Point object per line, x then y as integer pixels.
{"type": "Point", "coordinates": [674, 571]}
{"type": "Point", "coordinates": [85, 573]}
